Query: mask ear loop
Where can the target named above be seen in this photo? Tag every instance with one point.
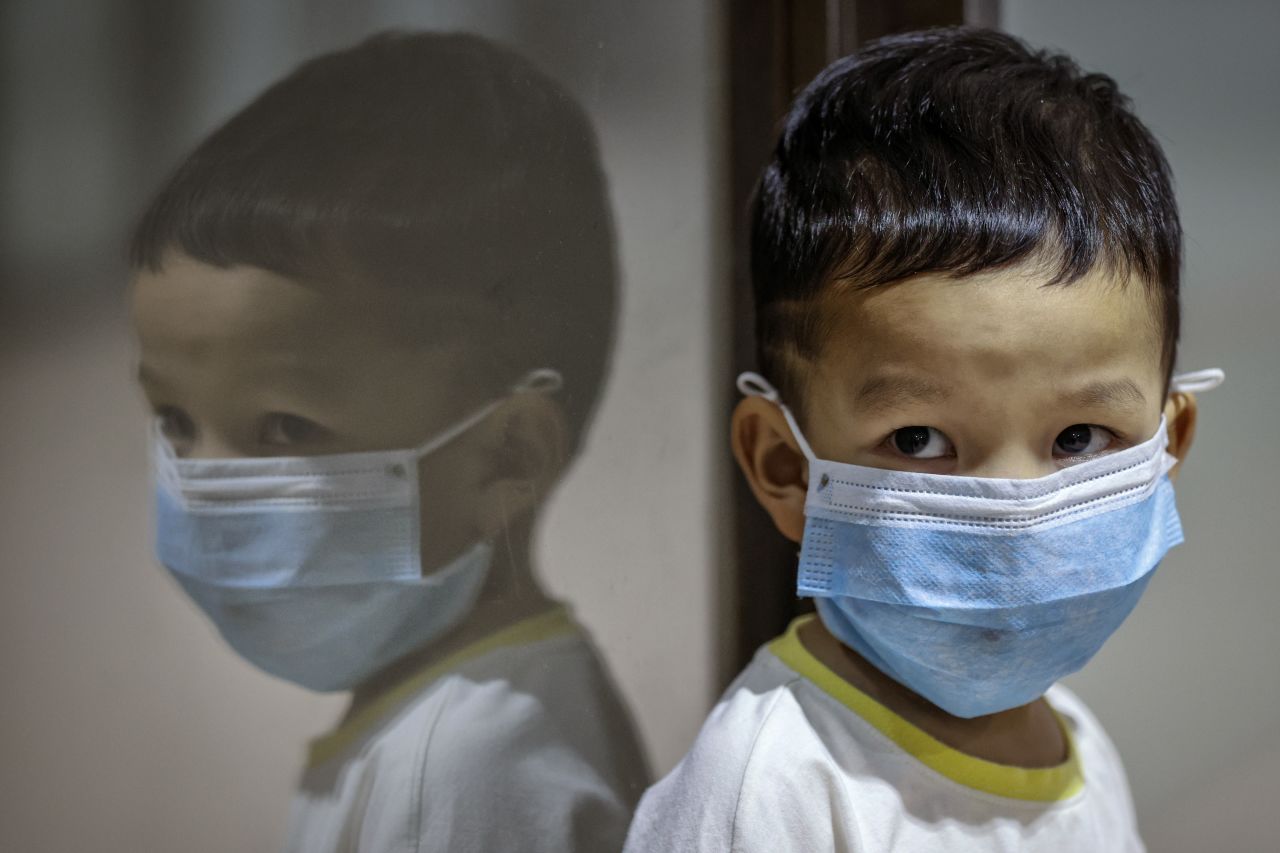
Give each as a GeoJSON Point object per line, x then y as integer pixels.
{"type": "Point", "coordinates": [752, 384]}
{"type": "Point", "coordinates": [1198, 380]}
{"type": "Point", "coordinates": [543, 380]}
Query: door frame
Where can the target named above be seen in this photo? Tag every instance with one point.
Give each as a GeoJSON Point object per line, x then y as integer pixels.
{"type": "Point", "coordinates": [775, 47]}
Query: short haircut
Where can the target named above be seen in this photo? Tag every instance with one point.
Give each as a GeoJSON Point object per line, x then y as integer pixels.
{"type": "Point", "coordinates": [954, 150]}
{"type": "Point", "coordinates": [442, 168]}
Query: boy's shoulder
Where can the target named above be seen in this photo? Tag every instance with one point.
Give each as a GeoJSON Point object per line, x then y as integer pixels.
{"type": "Point", "coordinates": [1099, 759]}
{"type": "Point", "coordinates": [757, 770]}
{"type": "Point", "coordinates": [484, 737]}
{"type": "Point", "coordinates": [782, 764]}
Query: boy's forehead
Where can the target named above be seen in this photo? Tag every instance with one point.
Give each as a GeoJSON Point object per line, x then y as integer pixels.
{"type": "Point", "coordinates": [992, 327]}
{"type": "Point", "coordinates": [194, 316]}
{"type": "Point", "coordinates": [189, 301]}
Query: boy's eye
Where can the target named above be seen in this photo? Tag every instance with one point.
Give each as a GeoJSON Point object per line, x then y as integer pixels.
{"type": "Point", "coordinates": [175, 424]}
{"type": "Point", "coordinates": [279, 428]}
{"type": "Point", "coordinates": [920, 442]}
{"type": "Point", "coordinates": [1081, 439]}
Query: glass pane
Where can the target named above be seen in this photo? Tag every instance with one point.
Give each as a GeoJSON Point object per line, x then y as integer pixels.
{"type": "Point", "coordinates": [413, 489]}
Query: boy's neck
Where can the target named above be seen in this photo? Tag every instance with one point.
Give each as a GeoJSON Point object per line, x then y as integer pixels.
{"type": "Point", "coordinates": [510, 594]}
{"type": "Point", "coordinates": [1029, 736]}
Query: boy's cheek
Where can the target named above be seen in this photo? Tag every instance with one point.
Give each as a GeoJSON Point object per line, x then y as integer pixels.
{"type": "Point", "coordinates": [448, 511]}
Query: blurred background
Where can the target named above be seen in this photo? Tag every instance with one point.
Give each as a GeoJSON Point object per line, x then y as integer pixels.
{"type": "Point", "coordinates": [129, 726]}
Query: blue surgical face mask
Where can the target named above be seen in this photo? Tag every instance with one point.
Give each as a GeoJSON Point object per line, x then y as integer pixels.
{"type": "Point", "coordinates": [310, 566]}
{"type": "Point", "coordinates": [979, 593]}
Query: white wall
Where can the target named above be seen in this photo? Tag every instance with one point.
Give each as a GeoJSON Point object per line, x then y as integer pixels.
{"type": "Point", "coordinates": [128, 725]}
{"type": "Point", "coordinates": [1190, 687]}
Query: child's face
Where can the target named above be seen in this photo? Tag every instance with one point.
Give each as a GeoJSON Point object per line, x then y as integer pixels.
{"type": "Point", "coordinates": [992, 375]}
{"type": "Point", "coordinates": [242, 362]}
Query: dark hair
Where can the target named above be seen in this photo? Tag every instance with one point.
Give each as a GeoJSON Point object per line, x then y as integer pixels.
{"type": "Point", "coordinates": [954, 150]}
{"type": "Point", "coordinates": [442, 167]}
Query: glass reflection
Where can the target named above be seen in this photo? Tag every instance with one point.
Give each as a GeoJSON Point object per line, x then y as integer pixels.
{"type": "Point", "coordinates": [375, 312]}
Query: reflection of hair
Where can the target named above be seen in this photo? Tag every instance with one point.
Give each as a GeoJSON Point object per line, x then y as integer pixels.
{"type": "Point", "coordinates": [437, 165]}
{"type": "Point", "coordinates": [954, 150]}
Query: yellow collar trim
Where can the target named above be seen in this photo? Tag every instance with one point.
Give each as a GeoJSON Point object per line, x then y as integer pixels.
{"type": "Point", "coordinates": [1038, 784]}
{"type": "Point", "coordinates": [545, 625]}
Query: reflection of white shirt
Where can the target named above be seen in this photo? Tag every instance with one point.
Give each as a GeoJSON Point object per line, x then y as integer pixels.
{"type": "Point", "coordinates": [794, 760]}
{"type": "Point", "coordinates": [517, 742]}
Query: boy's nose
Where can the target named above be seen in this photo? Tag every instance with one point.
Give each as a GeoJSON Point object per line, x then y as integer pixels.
{"type": "Point", "coordinates": [211, 447]}
{"type": "Point", "coordinates": [1011, 465]}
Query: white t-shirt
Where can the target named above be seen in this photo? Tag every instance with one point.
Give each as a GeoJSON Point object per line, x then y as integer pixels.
{"type": "Point", "coordinates": [517, 742]}
{"type": "Point", "coordinates": [794, 759]}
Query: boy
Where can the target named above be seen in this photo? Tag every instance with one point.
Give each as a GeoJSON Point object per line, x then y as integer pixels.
{"type": "Point", "coordinates": [965, 258]}
{"type": "Point", "coordinates": [375, 311]}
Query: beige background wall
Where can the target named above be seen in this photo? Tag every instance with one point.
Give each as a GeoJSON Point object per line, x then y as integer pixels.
{"type": "Point", "coordinates": [128, 726]}
{"type": "Point", "coordinates": [1189, 688]}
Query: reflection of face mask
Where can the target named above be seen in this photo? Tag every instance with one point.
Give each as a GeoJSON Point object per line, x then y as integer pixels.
{"type": "Point", "coordinates": [309, 565]}
{"type": "Point", "coordinates": [979, 593]}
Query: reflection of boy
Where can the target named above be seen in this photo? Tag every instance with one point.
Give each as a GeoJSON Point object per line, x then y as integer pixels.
{"type": "Point", "coordinates": [402, 245]}
{"type": "Point", "coordinates": [965, 260]}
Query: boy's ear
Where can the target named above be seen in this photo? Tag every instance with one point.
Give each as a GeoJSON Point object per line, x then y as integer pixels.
{"type": "Point", "coordinates": [528, 441]}
{"type": "Point", "coordinates": [1180, 414]}
{"type": "Point", "coordinates": [772, 462]}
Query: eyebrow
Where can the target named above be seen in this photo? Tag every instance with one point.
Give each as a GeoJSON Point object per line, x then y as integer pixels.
{"type": "Point", "coordinates": [1122, 392]}
{"type": "Point", "coordinates": [895, 392]}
